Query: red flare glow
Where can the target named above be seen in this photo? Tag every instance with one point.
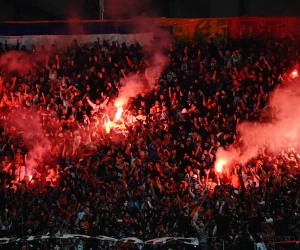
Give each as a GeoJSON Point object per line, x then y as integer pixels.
{"type": "Point", "coordinates": [219, 165]}
{"type": "Point", "coordinates": [119, 113]}
{"type": "Point", "coordinates": [107, 124]}
{"type": "Point", "coordinates": [295, 74]}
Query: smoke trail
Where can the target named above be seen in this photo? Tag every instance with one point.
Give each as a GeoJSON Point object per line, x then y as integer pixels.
{"type": "Point", "coordinates": [131, 86]}
{"type": "Point", "coordinates": [135, 84]}
{"type": "Point", "coordinates": [152, 73]}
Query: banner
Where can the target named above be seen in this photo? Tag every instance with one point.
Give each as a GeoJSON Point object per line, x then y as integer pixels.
{"type": "Point", "coordinates": [264, 28]}
{"type": "Point", "coordinates": [180, 29]}
{"type": "Point", "coordinates": [199, 29]}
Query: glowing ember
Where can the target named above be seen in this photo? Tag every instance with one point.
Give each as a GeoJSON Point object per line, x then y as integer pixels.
{"type": "Point", "coordinates": [119, 113]}
{"type": "Point", "coordinates": [219, 165]}
{"type": "Point", "coordinates": [295, 73]}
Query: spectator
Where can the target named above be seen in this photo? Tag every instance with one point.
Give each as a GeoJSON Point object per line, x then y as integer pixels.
{"type": "Point", "coordinates": [67, 166]}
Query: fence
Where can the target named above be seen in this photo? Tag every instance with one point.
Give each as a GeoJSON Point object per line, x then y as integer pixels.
{"type": "Point", "coordinates": [103, 242]}
{"type": "Point", "coordinates": [88, 242]}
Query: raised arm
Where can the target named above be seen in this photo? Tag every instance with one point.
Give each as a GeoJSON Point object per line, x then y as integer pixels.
{"type": "Point", "coordinates": [57, 62]}
{"type": "Point", "coordinates": [61, 94]}
{"type": "Point", "coordinates": [77, 91]}
{"type": "Point", "coordinates": [12, 98]}
{"type": "Point", "coordinates": [129, 62]}
{"type": "Point", "coordinates": [190, 191]}
{"type": "Point", "coordinates": [207, 223]}
{"type": "Point", "coordinates": [14, 79]}
{"type": "Point", "coordinates": [194, 219]}
{"type": "Point", "coordinates": [93, 105]}
{"type": "Point", "coordinates": [103, 104]}
{"type": "Point", "coordinates": [47, 62]}
{"type": "Point", "coordinates": [44, 99]}
{"type": "Point", "coordinates": [123, 74]}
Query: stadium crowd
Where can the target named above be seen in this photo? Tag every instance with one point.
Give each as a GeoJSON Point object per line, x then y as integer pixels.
{"type": "Point", "coordinates": [63, 172]}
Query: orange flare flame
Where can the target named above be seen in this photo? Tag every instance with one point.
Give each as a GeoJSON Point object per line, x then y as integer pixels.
{"type": "Point", "coordinates": [219, 165]}
{"type": "Point", "coordinates": [119, 113]}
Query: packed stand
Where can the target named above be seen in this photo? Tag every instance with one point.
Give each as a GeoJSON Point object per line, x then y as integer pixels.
{"type": "Point", "coordinates": [63, 173]}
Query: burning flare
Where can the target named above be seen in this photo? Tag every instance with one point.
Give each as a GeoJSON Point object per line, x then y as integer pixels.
{"type": "Point", "coordinates": [119, 113]}
{"type": "Point", "coordinates": [219, 165]}
{"type": "Point", "coordinates": [116, 122]}
{"type": "Point", "coordinates": [106, 123]}
{"type": "Point", "coordinates": [295, 74]}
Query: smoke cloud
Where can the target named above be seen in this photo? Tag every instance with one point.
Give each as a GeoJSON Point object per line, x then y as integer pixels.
{"type": "Point", "coordinates": [18, 61]}
{"type": "Point", "coordinates": [135, 84]}
{"type": "Point", "coordinates": [30, 129]}
{"type": "Point", "coordinates": [35, 132]}
{"type": "Point", "coordinates": [24, 122]}
{"type": "Point", "coordinates": [281, 131]}
{"type": "Point", "coordinates": [131, 87]}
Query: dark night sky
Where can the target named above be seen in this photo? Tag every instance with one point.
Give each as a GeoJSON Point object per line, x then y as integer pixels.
{"type": "Point", "coordinates": [202, 8]}
{"type": "Point", "coordinates": [125, 9]}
